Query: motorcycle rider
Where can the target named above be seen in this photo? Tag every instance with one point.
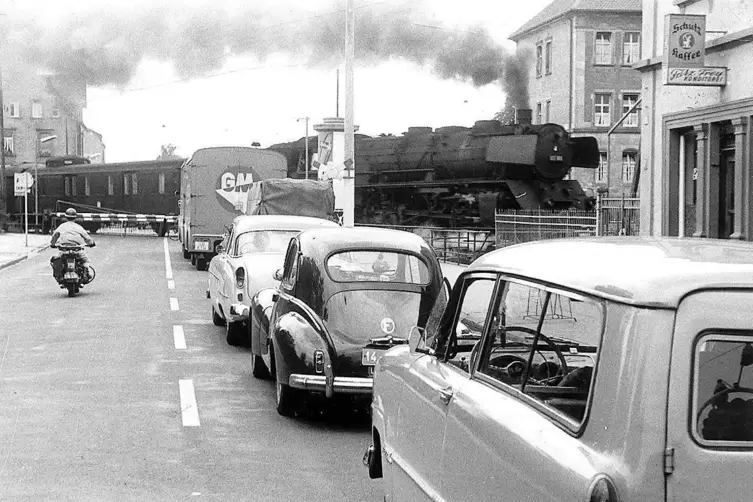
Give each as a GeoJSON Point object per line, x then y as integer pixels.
{"type": "Point", "coordinates": [71, 233]}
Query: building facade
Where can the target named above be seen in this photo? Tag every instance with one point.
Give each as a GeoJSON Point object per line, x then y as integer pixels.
{"type": "Point", "coordinates": [583, 79]}
{"type": "Point", "coordinates": [696, 175]}
{"type": "Point", "coordinates": [94, 147]}
{"type": "Point", "coordinates": [42, 114]}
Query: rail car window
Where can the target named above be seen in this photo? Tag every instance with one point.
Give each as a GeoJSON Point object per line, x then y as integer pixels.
{"type": "Point", "coordinates": [67, 185]}
{"type": "Point", "coordinates": [127, 183]}
{"type": "Point", "coordinates": [161, 183]}
{"type": "Point", "coordinates": [135, 183]}
{"type": "Point", "coordinates": [110, 186]}
{"type": "Point", "coordinates": [74, 182]}
{"type": "Point", "coordinates": [87, 188]}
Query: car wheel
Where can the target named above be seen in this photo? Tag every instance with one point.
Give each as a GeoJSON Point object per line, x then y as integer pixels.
{"type": "Point", "coordinates": [216, 319]}
{"type": "Point", "coordinates": [186, 254]}
{"type": "Point", "coordinates": [258, 368]}
{"type": "Point", "coordinates": [286, 399]}
{"type": "Point", "coordinates": [193, 259]}
{"type": "Point", "coordinates": [234, 332]}
{"type": "Point", "coordinates": [201, 263]}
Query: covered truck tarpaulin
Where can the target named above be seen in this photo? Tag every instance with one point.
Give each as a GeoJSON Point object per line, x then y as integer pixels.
{"type": "Point", "coordinates": [292, 197]}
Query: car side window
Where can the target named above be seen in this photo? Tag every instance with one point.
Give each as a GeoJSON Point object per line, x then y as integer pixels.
{"type": "Point", "coordinates": [723, 390]}
{"type": "Point", "coordinates": [290, 272]}
{"type": "Point", "coordinates": [554, 364]}
{"type": "Point", "coordinates": [468, 325]}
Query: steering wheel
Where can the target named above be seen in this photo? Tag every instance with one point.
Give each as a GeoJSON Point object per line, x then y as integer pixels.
{"type": "Point", "coordinates": [512, 366]}
{"type": "Point", "coordinates": [564, 370]}
{"type": "Point", "coordinates": [707, 403]}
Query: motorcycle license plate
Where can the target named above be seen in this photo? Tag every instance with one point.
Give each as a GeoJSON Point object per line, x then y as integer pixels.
{"type": "Point", "coordinates": [369, 356]}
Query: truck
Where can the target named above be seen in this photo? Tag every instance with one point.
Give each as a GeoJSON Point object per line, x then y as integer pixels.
{"type": "Point", "coordinates": [214, 183]}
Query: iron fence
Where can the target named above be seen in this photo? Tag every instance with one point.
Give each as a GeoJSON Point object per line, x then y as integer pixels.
{"type": "Point", "coordinates": [618, 216]}
{"type": "Point", "coordinates": [516, 227]}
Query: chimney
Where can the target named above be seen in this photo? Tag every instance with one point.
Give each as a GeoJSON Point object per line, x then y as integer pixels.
{"type": "Point", "coordinates": [523, 116]}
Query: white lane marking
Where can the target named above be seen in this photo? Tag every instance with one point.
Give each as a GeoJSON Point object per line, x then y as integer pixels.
{"type": "Point", "coordinates": [168, 267]}
{"type": "Point", "coordinates": [188, 406]}
{"type": "Point", "coordinates": [170, 284]}
{"type": "Point", "coordinates": [179, 337]}
{"type": "Point", "coordinates": [173, 304]}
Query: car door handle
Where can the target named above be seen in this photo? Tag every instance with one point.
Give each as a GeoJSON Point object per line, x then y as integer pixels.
{"type": "Point", "coordinates": [446, 394]}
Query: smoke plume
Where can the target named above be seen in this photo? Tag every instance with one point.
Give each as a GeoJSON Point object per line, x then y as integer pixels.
{"type": "Point", "coordinates": [104, 47]}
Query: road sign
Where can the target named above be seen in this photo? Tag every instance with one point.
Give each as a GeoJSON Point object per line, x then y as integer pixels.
{"type": "Point", "coordinates": [22, 183]}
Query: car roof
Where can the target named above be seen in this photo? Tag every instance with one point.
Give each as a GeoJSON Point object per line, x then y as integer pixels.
{"type": "Point", "coordinates": [646, 271]}
{"type": "Point", "coordinates": [269, 222]}
{"type": "Point", "coordinates": [326, 240]}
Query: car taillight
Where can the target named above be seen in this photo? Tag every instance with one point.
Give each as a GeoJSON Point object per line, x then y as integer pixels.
{"type": "Point", "coordinates": [240, 277]}
{"type": "Point", "coordinates": [603, 490]}
{"type": "Point", "coordinates": [319, 361]}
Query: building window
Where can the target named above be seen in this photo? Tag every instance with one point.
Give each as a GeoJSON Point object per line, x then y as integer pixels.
{"type": "Point", "coordinates": [8, 146]}
{"type": "Point", "coordinates": [36, 110]}
{"type": "Point", "coordinates": [538, 113]}
{"type": "Point", "coordinates": [127, 183]}
{"type": "Point", "coordinates": [12, 110]}
{"type": "Point", "coordinates": [603, 48]}
{"type": "Point", "coordinates": [161, 183]}
{"type": "Point", "coordinates": [547, 111]}
{"type": "Point", "coordinates": [629, 160]}
{"type": "Point", "coordinates": [601, 109]}
{"type": "Point", "coordinates": [631, 48]}
{"type": "Point", "coordinates": [628, 100]}
{"type": "Point", "coordinates": [87, 189]}
{"type": "Point", "coordinates": [134, 184]}
{"type": "Point", "coordinates": [548, 58]}
{"type": "Point", "coordinates": [110, 186]}
{"type": "Point", "coordinates": [67, 185]}
{"type": "Point", "coordinates": [601, 171]}
{"type": "Point", "coordinates": [539, 59]}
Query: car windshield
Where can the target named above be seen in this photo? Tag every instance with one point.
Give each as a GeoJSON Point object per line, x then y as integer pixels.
{"type": "Point", "coordinates": [385, 266]}
{"type": "Point", "coordinates": [264, 241]}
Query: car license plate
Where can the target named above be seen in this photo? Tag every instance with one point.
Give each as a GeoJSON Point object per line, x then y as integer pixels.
{"type": "Point", "coordinates": [201, 245]}
{"type": "Point", "coordinates": [369, 356]}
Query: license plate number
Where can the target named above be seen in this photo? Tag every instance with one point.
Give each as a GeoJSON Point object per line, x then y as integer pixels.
{"type": "Point", "coordinates": [369, 356]}
{"type": "Point", "coordinates": [201, 245]}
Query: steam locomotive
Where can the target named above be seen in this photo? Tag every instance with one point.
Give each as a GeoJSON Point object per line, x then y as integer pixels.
{"type": "Point", "coordinates": [459, 176]}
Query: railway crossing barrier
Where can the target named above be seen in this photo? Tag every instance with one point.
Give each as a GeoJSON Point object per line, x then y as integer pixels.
{"type": "Point", "coordinates": [120, 223]}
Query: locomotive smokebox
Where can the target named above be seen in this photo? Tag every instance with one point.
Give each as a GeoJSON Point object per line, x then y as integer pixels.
{"type": "Point", "coordinates": [523, 116]}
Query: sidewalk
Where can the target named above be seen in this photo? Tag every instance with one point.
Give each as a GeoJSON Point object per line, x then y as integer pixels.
{"type": "Point", "coordinates": [13, 247]}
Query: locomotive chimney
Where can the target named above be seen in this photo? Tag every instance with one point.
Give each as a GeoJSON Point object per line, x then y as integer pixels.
{"type": "Point", "coordinates": [523, 116]}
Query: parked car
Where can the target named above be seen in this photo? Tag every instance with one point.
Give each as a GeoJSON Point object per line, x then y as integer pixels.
{"type": "Point", "coordinates": [345, 296]}
{"type": "Point", "coordinates": [598, 370]}
{"type": "Point", "coordinates": [251, 251]}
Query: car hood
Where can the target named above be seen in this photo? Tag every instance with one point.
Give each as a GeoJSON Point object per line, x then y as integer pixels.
{"type": "Point", "coordinates": [260, 269]}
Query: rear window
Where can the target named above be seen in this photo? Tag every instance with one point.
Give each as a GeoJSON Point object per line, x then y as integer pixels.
{"type": "Point", "coordinates": [264, 241]}
{"type": "Point", "coordinates": [723, 390]}
{"type": "Point", "coordinates": [384, 266]}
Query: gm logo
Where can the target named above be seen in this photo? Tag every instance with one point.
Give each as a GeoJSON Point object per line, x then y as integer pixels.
{"type": "Point", "coordinates": [233, 190]}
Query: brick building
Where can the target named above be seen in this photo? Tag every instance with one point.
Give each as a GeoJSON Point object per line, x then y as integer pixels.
{"type": "Point", "coordinates": [583, 79]}
{"type": "Point", "coordinates": [696, 174]}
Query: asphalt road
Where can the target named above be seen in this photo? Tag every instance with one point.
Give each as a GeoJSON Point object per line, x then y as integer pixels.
{"type": "Point", "coordinates": [97, 395]}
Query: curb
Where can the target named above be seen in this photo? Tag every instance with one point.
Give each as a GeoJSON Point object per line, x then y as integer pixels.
{"type": "Point", "coordinates": [28, 255]}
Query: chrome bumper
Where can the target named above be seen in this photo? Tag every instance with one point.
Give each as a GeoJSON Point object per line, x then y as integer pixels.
{"type": "Point", "coordinates": [239, 312]}
{"type": "Point", "coordinates": [341, 385]}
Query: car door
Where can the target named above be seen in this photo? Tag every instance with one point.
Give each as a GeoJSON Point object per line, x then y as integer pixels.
{"type": "Point", "coordinates": [510, 434]}
{"type": "Point", "coordinates": [709, 450]}
{"type": "Point", "coordinates": [285, 294]}
{"type": "Point", "coordinates": [429, 386]}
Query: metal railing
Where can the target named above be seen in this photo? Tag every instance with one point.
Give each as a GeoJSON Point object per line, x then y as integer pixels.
{"type": "Point", "coordinates": [618, 216]}
{"type": "Point", "coordinates": [516, 227]}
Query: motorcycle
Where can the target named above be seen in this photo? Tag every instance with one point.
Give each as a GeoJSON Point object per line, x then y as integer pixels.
{"type": "Point", "coordinates": [69, 271]}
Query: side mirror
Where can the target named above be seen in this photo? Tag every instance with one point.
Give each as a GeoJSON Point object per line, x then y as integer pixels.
{"type": "Point", "coordinates": [278, 275]}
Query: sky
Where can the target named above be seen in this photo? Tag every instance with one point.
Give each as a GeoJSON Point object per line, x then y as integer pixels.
{"type": "Point", "coordinates": [198, 73]}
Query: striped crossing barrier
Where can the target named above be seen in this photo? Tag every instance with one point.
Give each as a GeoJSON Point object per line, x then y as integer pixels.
{"type": "Point", "coordinates": [123, 218]}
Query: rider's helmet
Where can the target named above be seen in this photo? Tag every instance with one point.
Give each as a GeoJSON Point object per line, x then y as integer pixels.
{"type": "Point", "coordinates": [70, 213]}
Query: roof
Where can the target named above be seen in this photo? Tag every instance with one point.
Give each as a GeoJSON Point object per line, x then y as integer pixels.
{"type": "Point", "coordinates": [559, 8]}
{"type": "Point", "coordinates": [326, 240]}
{"type": "Point", "coordinates": [653, 272]}
{"type": "Point", "coordinates": [279, 222]}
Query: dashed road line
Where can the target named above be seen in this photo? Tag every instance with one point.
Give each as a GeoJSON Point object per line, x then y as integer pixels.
{"type": "Point", "coordinates": [179, 337]}
{"type": "Point", "coordinates": [188, 407]}
{"type": "Point", "coordinates": [168, 266]}
{"type": "Point", "coordinates": [173, 304]}
{"type": "Point", "coordinates": [170, 284]}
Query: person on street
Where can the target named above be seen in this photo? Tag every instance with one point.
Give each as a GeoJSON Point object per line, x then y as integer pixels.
{"type": "Point", "coordinates": [71, 233]}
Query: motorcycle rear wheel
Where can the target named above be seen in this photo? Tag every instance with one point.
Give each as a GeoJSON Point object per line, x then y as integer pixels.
{"type": "Point", "coordinates": [72, 289]}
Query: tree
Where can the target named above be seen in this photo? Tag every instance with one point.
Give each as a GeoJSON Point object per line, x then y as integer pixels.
{"type": "Point", "coordinates": [168, 152]}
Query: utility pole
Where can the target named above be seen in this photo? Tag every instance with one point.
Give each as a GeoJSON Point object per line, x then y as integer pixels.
{"type": "Point", "coordinates": [349, 153]}
{"type": "Point", "coordinates": [3, 202]}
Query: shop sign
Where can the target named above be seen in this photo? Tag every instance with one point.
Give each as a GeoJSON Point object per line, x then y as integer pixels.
{"type": "Point", "coordinates": [684, 40]}
{"type": "Point", "coordinates": [706, 76]}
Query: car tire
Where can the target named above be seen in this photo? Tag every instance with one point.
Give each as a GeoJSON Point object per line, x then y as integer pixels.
{"type": "Point", "coordinates": [193, 259]}
{"type": "Point", "coordinates": [234, 333]}
{"type": "Point", "coordinates": [217, 320]}
{"type": "Point", "coordinates": [258, 368]}
{"type": "Point", "coordinates": [201, 264]}
{"type": "Point", "coordinates": [186, 254]}
{"type": "Point", "coordinates": [286, 397]}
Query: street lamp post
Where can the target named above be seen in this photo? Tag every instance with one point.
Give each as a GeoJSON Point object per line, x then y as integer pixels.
{"type": "Point", "coordinates": [36, 181]}
{"type": "Point", "coordinates": [306, 119]}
